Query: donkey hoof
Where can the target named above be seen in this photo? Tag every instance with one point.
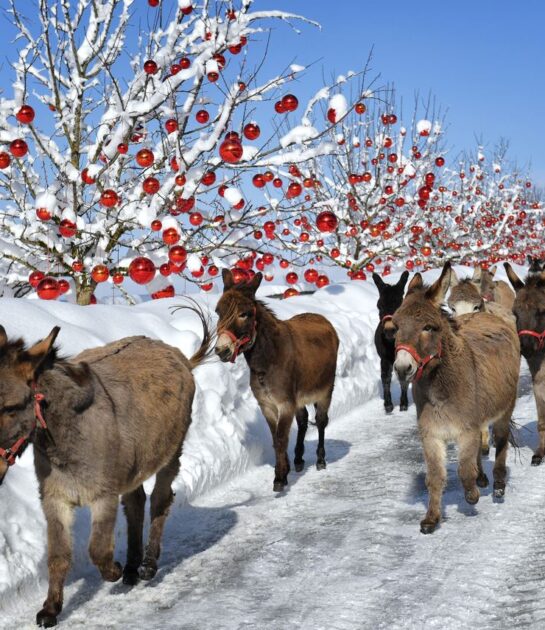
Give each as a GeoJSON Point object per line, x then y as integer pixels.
{"type": "Point", "coordinates": [388, 408]}
{"type": "Point", "coordinates": [279, 485]}
{"type": "Point", "coordinates": [499, 490]}
{"type": "Point", "coordinates": [299, 466]}
{"type": "Point", "coordinates": [428, 527]}
{"type": "Point", "coordinates": [403, 407]}
{"type": "Point", "coordinates": [472, 496]}
{"type": "Point", "coordinates": [536, 460]}
{"type": "Point", "coordinates": [130, 576]}
{"type": "Point", "coordinates": [485, 450]}
{"type": "Point", "coordinates": [112, 573]}
{"type": "Point", "coordinates": [482, 481]}
{"type": "Point", "coordinates": [321, 464]}
{"type": "Point", "coordinates": [147, 571]}
{"type": "Point", "coordinates": [46, 619]}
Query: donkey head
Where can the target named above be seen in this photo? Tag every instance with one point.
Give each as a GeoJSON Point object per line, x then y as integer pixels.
{"type": "Point", "coordinates": [529, 311]}
{"type": "Point", "coordinates": [419, 326]}
{"type": "Point", "coordinates": [390, 295]}
{"type": "Point", "coordinates": [536, 265]}
{"type": "Point", "coordinates": [488, 285]}
{"type": "Point", "coordinates": [464, 296]}
{"type": "Point", "coordinates": [19, 370]}
{"type": "Point", "coordinates": [236, 311]}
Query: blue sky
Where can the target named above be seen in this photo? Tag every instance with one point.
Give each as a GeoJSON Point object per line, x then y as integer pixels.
{"type": "Point", "coordinates": [483, 61]}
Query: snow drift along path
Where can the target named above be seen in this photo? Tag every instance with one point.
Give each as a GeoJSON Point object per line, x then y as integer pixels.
{"type": "Point", "coordinates": [340, 550]}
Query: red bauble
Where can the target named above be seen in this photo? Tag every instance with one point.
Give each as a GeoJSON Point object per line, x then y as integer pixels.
{"type": "Point", "coordinates": [289, 103]}
{"type": "Point", "coordinates": [156, 225]}
{"type": "Point", "coordinates": [18, 148]}
{"type": "Point", "coordinates": [177, 254]}
{"type": "Point", "coordinates": [151, 185]}
{"type": "Point", "coordinates": [187, 10]}
{"type": "Point", "coordinates": [332, 115]}
{"type": "Point", "coordinates": [294, 190]}
{"type": "Point", "coordinates": [239, 275]}
{"type": "Point", "coordinates": [212, 77]}
{"type": "Point", "coordinates": [63, 285]}
{"type": "Point", "coordinates": [150, 67]}
{"type": "Point", "coordinates": [185, 205]}
{"type": "Point", "coordinates": [291, 277]}
{"type": "Point", "coordinates": [142, 270]}
{"type": "Point", "coordinates": [202, 116]}
{"type": "Point", "coordinates": [171, 125]}
{"type": "Point", "coordinates": [439, 161]}
{"type": "Point", "coordinates": [251, 131]}
{"type": "Point", "coordinates": [86, 178]}
{"type": "Point", "coordinates": [291, 292]}
{"type": "Point", "coordinates": [279, 107]}
{"type": "Point", "coordinates": [67, 228]}
{"type": "Point", "coordinates": [165, 269]}
{"type": "Point", "coordinates": [322, 281]}
{"type": "Point", "coordinates": [360, 108]}
{"type": "Point", "coordinates": [48, 289]}
{"type": "Point", "coordinates": [259, 180]}
{"type": "Point", "coordinates": [208, 178]}
{"type": "Point", "coordinates": [311, 275]}
{"type": "Point", "coordinates": [77, 266]}
{"type": "Point", "coordinates": [100, 273]}
{"type": "Point", "coordinates": [154, 3]}
{"type": "Point", "coordinates": [230, 151]}
{"type": "Point", "coordinates": [195, 218]}
{"type": "Point", "coordinates": [171, 236]}
{"type": "Point", "coordinates": [326, 221]}
{"type": "Point", "coordinates": [43, 214]}
{"type": "Point", "coordinates": [108, 198]}
{"type": "Point", "coordinates": [25, 115]}
{"type": "Point", "coordinates": [4, 159]}
{"type": "Point", "coordinates": [213, 270]}
{"type": "Point", "coordinates": [185, 62]}
{"type": "Point", "coordinates": [167, 292]}
{"type": "Point", "coordinates": [35, 278]}
{"type": "Point", "coordinates": [122, 148]}
{"type": "Point", "coordinates": [145, 158]}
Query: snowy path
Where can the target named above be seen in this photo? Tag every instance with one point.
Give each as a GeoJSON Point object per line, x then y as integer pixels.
{"type": "Point", "coordinates": [340, 550]}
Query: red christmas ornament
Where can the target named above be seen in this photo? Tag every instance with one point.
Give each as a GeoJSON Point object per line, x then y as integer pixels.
{"type": "Point", "coordinates": [25, 115]}
{"type": "Point", "coordinates": [202, 116]}
{"type": "Point", "coordinates": [151, 185]}
{"type": "Point", "coordinates": [145, 158]}
{"type": "Point", "coordinates": [230, 151]}
{"type": "Point", "coordinates": [77, 266]}
{"type": "Point", "coordinates": [171, 125]}
{"type": "Point", "coordinates": [171, 236]}
{"type": "Point", "coordinates": [43, 214]}
{"type": "Point", "coordinates": [291, 292]}
{"type": "Point", "coordinates": [439, 161]}
{"type": "Point", "coordinates": [258, 180]}
{"type": "Point", "coordinates": [291, 277]}
{"type": "Point", "coordinates": [311, 275]}
{"type": "Point", "coordinates": [279, 107]}
{"type": "Point", "coordinates": [195, 218]}
{"type": "Point", "coordinates": [213, 270]}
{"type": "Point", "coordinates": [360, 108]}
{"type": "Point", "coordinates": [122, 148]}
{"type": "Point", "coordinates": [332, 115]}
{"type": "Point", "coordinates": [185, 205]}
{"type": "Point", "coordinates": [177, 254]}
{"type": "Point", "coordinates": [35, 278]}
{"type": "Point", "coordinates": [48, 289]}
{"type": "Point", "coordinates": [185, 62]}
{"type": "Point", "coordinates": [251, 131]}
{"type": "Point", "coordinates": [208, 178]}
{"type": "Point", "coordinates": [63, 285]}
{"type": "Point", "coordinates": [100, 273]}
{"type": "Point", "coordinates": [326, 221]}
{"type": "Point", "coordinates": [167, 292]}
{"type": "Point", "coordinates": [86, 178]}
{"type": "Point", "coordinates": [150, 67]}
{"type": "Point", "coordinates": [67, 228]}
{"type": "Point", "coordinates": [142, 270]}
{"type": "Point", "coordinates": [322, 281]}
{"type": "Point", "coordinates": [289, 103]}
{"type": "Point", "coordinates": [18, 148]}
{"type": "Point", "coordinates": [156, 225]}
{"type": "Point", "coordinates": [4, 159]}
{"type": "Point", "coordinates": [213, 76]}
{"type": "Point", "coordinates": [294, 190]}
{"type": "Point", "coordinates": [108, 198]}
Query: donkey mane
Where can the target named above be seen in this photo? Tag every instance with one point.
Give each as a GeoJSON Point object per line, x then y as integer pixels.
{"type": "Point", "coordinates": [535, 281]}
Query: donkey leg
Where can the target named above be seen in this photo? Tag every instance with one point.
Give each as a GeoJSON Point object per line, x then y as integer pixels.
{"type": "Point", "coordinates": [134, 504]}
{"type": "Point", "coordinates": [301, 415]}
{"type": "Point", "coordinates": [59, 516]}
{"type": "Point", "coordinates": [482, 479]}
{"type": "Point", "coordinates": [436, 474]}
{"type": "Point", "coordinates": [322, 420]}
{"type": "Point", "coordinates": [404, 401]}
{"type": "Point", "coordinates": [501, 439]}
{"type": "Point", "coordinates": [386, 368]}
{"type": "Point", "coordinates": [161, 500]}
{"type": "Point", "coordinates": [485, 447]}
{"type": "Point", "coordinates": [539, 395]}
{"type": "Point", "coordinates": [469, 445]}
{"type": "Point", "coordinates": [101, 545]}
{"type": "Point", "coordinates": [282, 466]}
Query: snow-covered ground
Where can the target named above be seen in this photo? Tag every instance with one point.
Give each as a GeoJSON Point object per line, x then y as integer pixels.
{"type": "Point", "coordinates": [341, 549]}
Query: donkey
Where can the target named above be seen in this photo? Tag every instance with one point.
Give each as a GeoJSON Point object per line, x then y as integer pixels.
{"type": "Point", "coordinates": [459, 385]}
{"type": "Point", "coordinates": [292, 364]}
{"type": "Point", "coordinates": [390, 298]}
{"type": "Point", "coordinates": [465, 299]}
{"type": "Point", "coordinates": [496, 291]}
{"type": "Point", "coordinates": [529, 310]}
{"type": "Point", "coordinates": [535, 265]}
{"type": "Point", "coordinates": [101, 423]}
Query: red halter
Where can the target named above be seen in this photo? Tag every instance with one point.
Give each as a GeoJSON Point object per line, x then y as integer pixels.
{"type": "Point", "coordinates": [532, 333]}
{"type": "Point", "coordinates": [386, 318]}
{"type": "Point", "coordinates": [422, 362]}
{"type": "Point", "coordinates": [10, 453]}
{"type": "Point", "coordinates": [240, 342]}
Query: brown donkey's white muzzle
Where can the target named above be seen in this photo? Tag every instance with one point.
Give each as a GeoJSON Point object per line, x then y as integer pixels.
{"type": "Point", "coordinates": [405, 366]}
{"type": "Point", "coordinates": [225, 347]}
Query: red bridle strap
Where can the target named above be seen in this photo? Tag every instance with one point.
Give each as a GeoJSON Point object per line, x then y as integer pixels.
{"type": "Point", "coordinates": [386, 318]}
{"type": "Point", "coordinates": [241, 342]}
{"type": "Point", "coordinates": [422, 362]}
{"type": "Point", "coordinates": [532, 333]}
{"type": "Point", "coordinates": [10, 453]}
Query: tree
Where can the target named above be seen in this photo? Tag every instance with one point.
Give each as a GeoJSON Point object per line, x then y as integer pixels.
{"type": "Point", "coordinates": [109, 153]}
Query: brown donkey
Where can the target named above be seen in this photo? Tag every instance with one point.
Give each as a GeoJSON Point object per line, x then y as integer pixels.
{"type": "Point", "coordinates": [101, 424]}
{"type": "Point", "coordinates": [292, 364]}
{"type": "Point", "coordinates": [496, 291]}
{"type": "Point", "coordinates": [529, 310]}
{"type": "Point", "coordinates": [459, 385]}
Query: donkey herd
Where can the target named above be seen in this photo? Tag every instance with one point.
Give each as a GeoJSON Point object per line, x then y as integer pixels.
{"type": "Point", "coordinates": [104, 421]}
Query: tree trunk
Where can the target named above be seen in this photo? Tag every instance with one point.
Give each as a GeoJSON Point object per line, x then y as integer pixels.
{"type": "Point", "coordinates": [84, 293]}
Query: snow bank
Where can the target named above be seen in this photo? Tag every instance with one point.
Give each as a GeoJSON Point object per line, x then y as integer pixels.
{"type": "Point", "coordinates": [228, 434]}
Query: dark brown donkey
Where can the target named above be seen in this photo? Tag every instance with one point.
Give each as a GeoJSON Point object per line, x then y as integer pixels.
{"type": "Point", "coordinates": [292, 364]}
{"type": "Point", "coordinates": [529, 310]}
{"type": "Point", "coordinates": [464, 374]}
{"type": "Point", "coordinates": [101, 424]}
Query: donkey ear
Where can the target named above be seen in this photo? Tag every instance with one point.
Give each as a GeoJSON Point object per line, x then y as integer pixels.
{"type": "Point", "coordinates": [416, 282]}
{"type": "Point", "coordinates": [436, 293]}
{"type": "Point", "coordinates": [35, 356]}
{"type": "Point", "coordinates": [254, 283]}
{"type": "Point", "coordinates": [454, 281]}
{"type": "Point", "coordinates": [378, 281]}
{"type": "Point", "coordinates": [403, 280]}
{"type": "Point", "coordinates": [515, 281]}
{"type": "Point", "coordinates": [3, 336]}
{"type": "Point", "coordinates": [477, 273]}
{"type": "Point", "coordinates": [492, 270]}
{"type": "Point", "coordinates": [228, 281]}
{"type": "Point", "coordinates": [529, 259]}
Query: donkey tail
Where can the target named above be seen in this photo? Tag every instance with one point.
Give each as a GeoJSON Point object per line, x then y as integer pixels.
{"type": "Point", "coordinates": [205, 349]}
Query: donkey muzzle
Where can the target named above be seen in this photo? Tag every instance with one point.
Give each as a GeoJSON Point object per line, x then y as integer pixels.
{"type": "Point", "coordinates": [405, 366]}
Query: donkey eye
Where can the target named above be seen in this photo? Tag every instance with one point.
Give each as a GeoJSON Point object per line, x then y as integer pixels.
{"type": "Point", "coordinates": [476, 309]}
{"type": "Point", "coordinates": [245, 315]}
{"type": "Point", "coordinates": [429, 328]}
